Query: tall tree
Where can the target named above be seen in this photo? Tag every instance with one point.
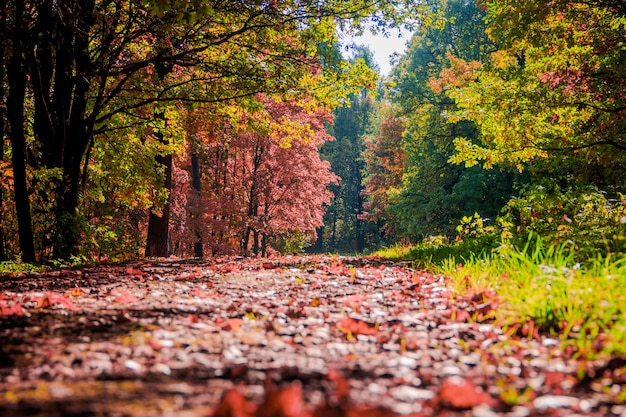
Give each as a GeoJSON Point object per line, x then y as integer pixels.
{"type": "Point", "coordinates": [434, 196]}
{"type": "Point", "coordinates": [343, 222]}
{"type": "Point", "coordinates": [551, 96]}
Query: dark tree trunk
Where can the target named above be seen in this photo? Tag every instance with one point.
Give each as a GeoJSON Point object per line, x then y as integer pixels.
{"type": "Point", "coordinates": [157, 244]}
{"type": "Point", "coordinates": [360, 235]}
{"type": "Point", "coordinates": [60, 68]}
{"type": "Point", "coordinates": [16, 76]}
{"type": "Point", "coordinates": [3, 251]}
{"type": "Point", "coordinates": [196, 185]}
{"type": "Point", "coordinates": [318, 247]}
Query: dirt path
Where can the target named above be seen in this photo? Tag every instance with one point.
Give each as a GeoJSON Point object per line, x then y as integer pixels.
{"type": "Point", "coordinates": [326, 335]}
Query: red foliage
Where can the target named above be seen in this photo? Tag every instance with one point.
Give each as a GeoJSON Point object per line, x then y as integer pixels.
{"type": "Point", "coordinates": [354, 326]}
{"type": "Point", "coordinates": [461, 394]}
{"type": "Point", "coordinates": [50, 299]}
{"type": "Point", "coordinates": [256, 187]}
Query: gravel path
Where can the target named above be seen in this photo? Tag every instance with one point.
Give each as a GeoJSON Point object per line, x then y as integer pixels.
{"type": "Point", "coordinates": [317, 335]}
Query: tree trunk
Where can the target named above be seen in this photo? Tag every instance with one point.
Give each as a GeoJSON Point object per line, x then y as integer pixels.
{"type": "Point", "coordinates": [318, 247]}
{"type": "Point", "coordinates": [3, 252]}
{"type": "Point", "coordinates": [60, 98]}
{"type": "Point", "coordinates": [360, 236]}
{"type": "Point", "coordinates": [196, 185]}
{"type": "Point", "coordinates": [157, 244]}
{"type": "Point", "coordinates": [16, 76]}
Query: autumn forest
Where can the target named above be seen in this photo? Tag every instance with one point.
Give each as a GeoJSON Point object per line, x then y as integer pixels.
{"type": "Point", "coordinates": [135, 128]}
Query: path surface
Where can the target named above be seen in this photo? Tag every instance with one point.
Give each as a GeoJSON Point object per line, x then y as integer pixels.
{"type": "Point", "coordinates": [341, 336]}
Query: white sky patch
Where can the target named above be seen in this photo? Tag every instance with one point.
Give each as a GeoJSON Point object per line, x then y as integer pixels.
{"type": "Point", "coordinates": [382, 47]}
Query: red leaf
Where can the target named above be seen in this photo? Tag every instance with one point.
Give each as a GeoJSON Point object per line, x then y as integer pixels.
{"type": "Point", "coordinates": [462, 394]}
{"type": "Point", "coordinates": [234, 404]}
{"type": "Point", "coordinates": [197, 292]}
{"type": "Point", "coordinates": [285, 402]}
{"type": "Point", "coordinates": [135, 272]}
{"type": "Point", "coordinates": [51, 298]}
{"type": "Point", "coordinates": [126, 297]}
{"type": "Point", "coordinates": [354, 326]}
{"type": "Point", "coordinates": [343, 388]}
{"type": "Point", "coordinates": [233, 325]}
{"type": "Point", "coordinates": [11, 310]}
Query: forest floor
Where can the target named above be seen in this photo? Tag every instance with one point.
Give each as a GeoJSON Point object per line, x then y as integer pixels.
{"type": "Point", "coordinates": [290, 337]}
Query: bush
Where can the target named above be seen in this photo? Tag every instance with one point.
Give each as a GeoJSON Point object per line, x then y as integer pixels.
{"type": "Point", "coordinates": [583, 216]}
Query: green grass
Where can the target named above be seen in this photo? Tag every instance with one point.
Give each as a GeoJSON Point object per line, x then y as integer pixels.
{"type": "Point", "coordinates": [542, 288]}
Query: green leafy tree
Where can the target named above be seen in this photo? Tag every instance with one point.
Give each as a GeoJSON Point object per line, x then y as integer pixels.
{"type": "Point", "coordinates": [435, 192]}
{"type": "Point", "coordinates": [551, 96]}
{"type": "Point", "coordinates": [343, 223]}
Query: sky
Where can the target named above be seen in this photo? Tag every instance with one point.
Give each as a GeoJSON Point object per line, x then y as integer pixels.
{"type": "Point", "coordinates": [382, 47]}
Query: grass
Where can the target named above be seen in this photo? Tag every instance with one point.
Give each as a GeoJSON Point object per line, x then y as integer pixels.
{"type": "Point", "coordinates": [543, 289]}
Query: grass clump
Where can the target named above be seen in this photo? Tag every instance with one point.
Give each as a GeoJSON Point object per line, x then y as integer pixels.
{"type": "Point", "coordinates": [545, 289]}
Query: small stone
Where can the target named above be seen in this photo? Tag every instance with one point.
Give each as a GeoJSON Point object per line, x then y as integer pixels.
{"type": "Point", "coordinates": [133, 365]}
{"type": "Point", "coordinates": [232, 353]}
{"type": "Point", "coordinates": [483, 411]}
{"type": "Point", "coordinates": [451, 370]}
{"type": "Point", "coordinates": [161, 368]}
{"type": "Point", "coordinates": [406, 393]}
{"type": "Point", "coordinates": [547, 342]}
{"type": "Point", "coordinates": [472, 359]}
{"type": "Point", "coordinates": [555, 401]}
{"type": "Point", "coordinates": [377, 389]}
{"type": "Point", "coordinates": [408, 362]}
{"type": "Point", "coordinates": [520, 411]}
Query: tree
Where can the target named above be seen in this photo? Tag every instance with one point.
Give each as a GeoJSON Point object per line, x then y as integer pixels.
{"type": "Point", "coordinates": [385, 161]}
{"type": "Point", "coordinates": [434, 193]}
{"type": "Point", "coordinates": [83, 64]}
{"type": "Point", "coordinates": [264, 178]}
{"type": "Point", "coordinates": [551, 95]}
{"type": "Point", "coordinates": [343, 223]}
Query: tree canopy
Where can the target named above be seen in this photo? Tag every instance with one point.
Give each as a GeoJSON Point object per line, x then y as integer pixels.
{"type": "Point", "coordinates": [79, 72]}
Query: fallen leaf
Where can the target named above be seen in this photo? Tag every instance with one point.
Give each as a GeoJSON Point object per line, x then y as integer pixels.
{"type": "Point", "coordinates": [11, 310]}
{"type": "Point", "coordinates": [354, 326]}
{"type": "Point", "coordinates": [462, 394]}
{"type": "Point", "coordinates": [126, 297]}
{"type": "Point", "coordinates": [135, 272]}
{"type": "Point", "coordinates": [233, 404]}
{"type": "Point", "coordinates": [74, 292]}
{"type": "Point", "coordinates": [50, 299]}
{"type": "Point", "coordinates": [285, 402]}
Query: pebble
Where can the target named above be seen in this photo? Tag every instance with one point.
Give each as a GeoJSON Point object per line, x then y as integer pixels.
{"type": "Point", "coordinates": [520, 411]}
{"type": "Point", "coordinates": [406, 393]}
{"type": "Point", "coordinates": [547, 342]}
{"type": "Point", "coordinates": [472, 359]}
{"type": "Point", "coordinates": [133, 365]}
{"type": "Point", "coordinates": [451, 370]}
{"type": "Point", "coordinates": [483, 411]}
{"type": "Point", "coordinates": [377, 389]}
{"type": "Point", "coordinates": [555, 401]}
{"type": "Point", "coordinates": [408, 362]}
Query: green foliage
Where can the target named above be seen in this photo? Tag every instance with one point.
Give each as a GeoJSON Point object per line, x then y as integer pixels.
{"type": "Point", "coordinates": [590, 219]}
{"type": "Point", "coordinates": [543, 288]}
{"type": "Point", "coordinates": [434, 192]}
{"type": "Point", "coordinates": [435, 251]}
{"type": "Point", "coordinates": [294, 242]}
{"type": "Point", "coordinates": [343, 227]}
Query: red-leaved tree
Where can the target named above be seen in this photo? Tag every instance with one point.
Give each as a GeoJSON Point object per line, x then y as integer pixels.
{"type": "Point", "coordinates": [260, 181]}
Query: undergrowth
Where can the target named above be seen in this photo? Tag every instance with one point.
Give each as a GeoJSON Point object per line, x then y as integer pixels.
{"type": "Point", "coordinates": [541, 288]}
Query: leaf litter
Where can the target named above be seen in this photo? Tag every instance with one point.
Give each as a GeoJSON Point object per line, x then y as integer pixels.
{"type": "Point", "coordinates": [288, 337]}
